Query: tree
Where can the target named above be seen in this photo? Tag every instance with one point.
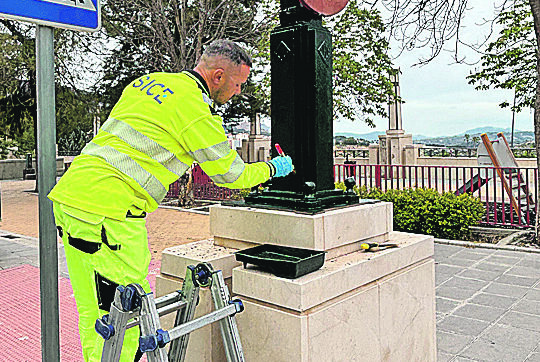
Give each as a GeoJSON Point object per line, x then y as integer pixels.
{"type": "Point", "coordinates": [362, 65]}
{"type": "Point", "coordinates": [168, 36]}
{"type": "Point", "coordinates": [509, 61]}
{"type": "Point", "coordinates": [535, 9]}
{"type": "Point", "coordinates": [467, 138]}
{"type": "Point", "coordinates": [18, 83]}
{"type": "Point", "coordinates": [18, 113]}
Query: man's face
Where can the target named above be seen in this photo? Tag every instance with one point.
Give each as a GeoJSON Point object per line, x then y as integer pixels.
{"type": "Point", "coordinates": [233, 78]}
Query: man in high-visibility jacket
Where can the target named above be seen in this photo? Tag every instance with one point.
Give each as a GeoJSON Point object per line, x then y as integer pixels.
{"type": "Point", "coordinates": [162, 123]}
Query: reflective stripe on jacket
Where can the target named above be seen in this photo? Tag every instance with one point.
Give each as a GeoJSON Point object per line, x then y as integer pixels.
{"type": "Point", "coordinates": [162, 123]}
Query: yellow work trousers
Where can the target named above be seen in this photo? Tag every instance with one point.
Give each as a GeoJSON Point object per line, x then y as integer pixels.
{"type": "Point", "coordinates": [102, 253]}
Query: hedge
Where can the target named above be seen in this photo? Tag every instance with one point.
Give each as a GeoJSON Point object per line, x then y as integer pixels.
{"type": "Point", "coordinates": [425, 211]}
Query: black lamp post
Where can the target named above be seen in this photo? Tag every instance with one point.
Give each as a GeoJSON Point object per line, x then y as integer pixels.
{"type": "Point", "coordinates": [302, 110]}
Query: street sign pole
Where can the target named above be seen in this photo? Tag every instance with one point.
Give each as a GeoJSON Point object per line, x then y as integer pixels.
{"type": "Point", "coordinates": [46, 141]}
{"type": "Point", "coordinates": [80, 15]}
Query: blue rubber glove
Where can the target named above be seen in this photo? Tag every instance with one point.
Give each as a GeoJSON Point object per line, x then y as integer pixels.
{"type": "Point", "coordinates": [281, 166]}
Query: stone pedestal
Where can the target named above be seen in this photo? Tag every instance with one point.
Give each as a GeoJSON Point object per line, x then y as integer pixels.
{"type": "Point", "coordinates": [360, 306]}
{"type": "Point", "coordinates": [392, 146]}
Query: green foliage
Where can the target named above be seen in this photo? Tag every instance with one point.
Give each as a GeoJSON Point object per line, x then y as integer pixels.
{"type": "Point", "coordinates": [240, 194]}
{"type": "Point", "coordinates": [361, 65]}
{"type": "Point", "coordinates": [75, 112]}
{"type": "Point", "coordinates": [425, 211]}
{"type": "Point", "coordinates": [510, 61]}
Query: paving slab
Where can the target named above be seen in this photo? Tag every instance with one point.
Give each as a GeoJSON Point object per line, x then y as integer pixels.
{"type": "Point", "coordinates": [528, 306]}
{"type": "Point", "coordinates": [441, 268]}
{"type": "Point", "coordinates": [521, 320]}
{"type": "Point", "coordinates": [481, 312]}
{"type": "Point", "coordinates": [524, 271]}
{"type": "Point", "coordinates": [444, 357]}
{"type": "Point", "coordinates": [471, 255]}
{"type": "Point", "coordinates": [517, 280]}
{"type": "Point", "coordinates": [441, 278]}
{"type": "Point", "coordinates": [482, 350]}
{"type": "Point", "coordinates": [443, 305]}
{"type": "Point", "coordinates": [457, 261]}
{"type": "Point", "coordinates": [452, 342]}
{"type": "Point", "coordinates": [455, 293]}
{"type": "Point", "coordinates": [533, 294]}
{"type": "Point", "coordinates": [530, 263]}
{"type": "Point", "coordinates": [461, 325]}
{"type": "Point", "coordinates": [466, 283]}
{"type": "Point", "coordinates": [493, 300]}
{"type": "Point", "coordinates": [491, 266]}
{"type": "Point", "coordinates": [506, 290]}
{"type": "Point", "coordinates": [479, 274]}
{"type": "Point", "coordinates": [512, 336]}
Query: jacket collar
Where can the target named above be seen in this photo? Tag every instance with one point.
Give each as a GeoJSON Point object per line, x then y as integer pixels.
{"type": "Point", "coordinates": [200, 81]}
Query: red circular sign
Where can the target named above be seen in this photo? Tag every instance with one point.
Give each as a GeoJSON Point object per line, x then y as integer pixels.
{"type": "Point", "coordinates": [325, 7]}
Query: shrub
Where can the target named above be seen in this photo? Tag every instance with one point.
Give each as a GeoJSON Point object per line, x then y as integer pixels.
{"type": "Point", "coordinates": [425, 211]}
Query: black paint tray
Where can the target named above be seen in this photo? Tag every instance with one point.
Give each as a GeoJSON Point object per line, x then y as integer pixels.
{"type": "Point", "coordinates": [282, 261]}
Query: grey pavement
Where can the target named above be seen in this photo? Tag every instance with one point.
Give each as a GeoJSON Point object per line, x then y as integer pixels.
{"type": "Point", "coordinates": [16, 249]}
{"type": "Point", "coordinates": [487, 304]}
{"type": "Point", "coordinates": [487, 301]}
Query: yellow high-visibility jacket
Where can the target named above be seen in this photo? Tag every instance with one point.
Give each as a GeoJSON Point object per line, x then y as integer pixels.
{"type": "Point", "coordinates": [162, 123]}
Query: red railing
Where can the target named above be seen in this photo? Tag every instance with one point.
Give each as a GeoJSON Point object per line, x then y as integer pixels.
{"type": "Point", "coordinates": [203, 187]}
{"type": "Point", "coordinates": [482, 182]}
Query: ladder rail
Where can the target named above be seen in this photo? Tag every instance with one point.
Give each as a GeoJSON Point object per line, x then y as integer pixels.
{"type": "Point", "coordinates": [228, 326]}
{"type": "Point", "coordinates": [190, 291]}
{"type": "Point", "coordinates": [164, 310]}
{"type": "Point", "coordinates": [112, 347]}
{"type": "Point", "coordinates": [520, 180]}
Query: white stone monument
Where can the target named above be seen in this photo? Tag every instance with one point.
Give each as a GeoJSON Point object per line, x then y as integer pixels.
{"type": "Point", "coordinates": [256, 148]}
{"type": "Point", "coordinates": [393, 143]}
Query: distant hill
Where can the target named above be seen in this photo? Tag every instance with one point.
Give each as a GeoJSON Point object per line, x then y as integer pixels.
{"type": "Point", "coordinates": [520, 137]}
{"type": "Point", "coordinates": [244, 127]}
{"type": "Point", "coordinates": [371, 136]}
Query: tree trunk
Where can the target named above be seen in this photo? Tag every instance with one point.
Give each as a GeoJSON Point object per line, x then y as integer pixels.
{"type": "Point", "coordinates": [535, 8]}
{"type": "Point", "coordinates": [185, 190]}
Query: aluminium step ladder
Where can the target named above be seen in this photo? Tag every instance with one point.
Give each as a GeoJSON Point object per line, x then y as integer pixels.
{"type": "Point", "coordinates": [133, 303]}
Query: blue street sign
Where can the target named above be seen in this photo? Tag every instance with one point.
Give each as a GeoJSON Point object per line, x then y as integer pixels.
{"type": "Point", "coordinates": [83, 15]}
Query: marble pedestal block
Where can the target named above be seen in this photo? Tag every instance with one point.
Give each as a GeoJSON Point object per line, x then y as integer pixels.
{"type": "Point", "coordinates": [360, 306]}
{"type": "Point", "coordinates": [335, 231]}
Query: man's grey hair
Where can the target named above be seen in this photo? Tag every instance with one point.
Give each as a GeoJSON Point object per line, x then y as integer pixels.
{"type": "Point", "coordinates": [228, 50]}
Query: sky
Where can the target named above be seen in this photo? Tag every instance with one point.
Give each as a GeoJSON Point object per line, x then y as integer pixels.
{"type": "Point", "coordinates": [438, 99]}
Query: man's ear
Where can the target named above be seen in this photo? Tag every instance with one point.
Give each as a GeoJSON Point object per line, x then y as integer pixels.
{"type": "Point", "coordinates": [218, 75]}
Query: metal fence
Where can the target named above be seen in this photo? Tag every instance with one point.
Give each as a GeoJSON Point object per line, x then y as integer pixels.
{"type": "Point", "coordinates": [482, 182]}
{"type": "Point", "coordinates": [203, 187]}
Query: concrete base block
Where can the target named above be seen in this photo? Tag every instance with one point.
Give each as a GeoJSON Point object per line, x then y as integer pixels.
{"type": "Point", "coordinates": [391, 319]}
{"type": "Point", "coordinates": [358, 307]}
{"type": "Point", "coordinates": [232, 226]}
